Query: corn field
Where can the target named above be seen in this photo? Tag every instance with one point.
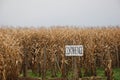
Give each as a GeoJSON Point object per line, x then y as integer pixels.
{"type": "Point", "coordinates": [42, 49]}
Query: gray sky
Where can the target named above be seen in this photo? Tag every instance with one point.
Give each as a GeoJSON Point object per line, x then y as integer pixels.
{"type": "Point", "coordinates": [59, 12]}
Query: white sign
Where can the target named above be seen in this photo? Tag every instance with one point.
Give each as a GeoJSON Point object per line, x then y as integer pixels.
{"type": "Point", "coordinates": [74, 50]}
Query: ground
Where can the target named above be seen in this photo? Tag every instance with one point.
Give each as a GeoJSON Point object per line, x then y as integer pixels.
{"type": "Point", "coordinates": [100, 72]}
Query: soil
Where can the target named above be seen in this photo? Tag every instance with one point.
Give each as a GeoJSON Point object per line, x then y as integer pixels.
{"type": "Point", "coordinates": [58, 79]}
{"type": "Point", "coordinates": [85, 78]}
{"type": "Point", "coordinates": [27, 78]}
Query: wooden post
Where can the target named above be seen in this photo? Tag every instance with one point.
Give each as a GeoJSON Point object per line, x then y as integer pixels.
{"type": "Point", "coordinates": [25, 65]}
{"type": "Point", "coordinates": [63, 70]}
{"type": "Point", "coordinates": [95, 72]}
{"type": "Point", "coordinates": [75, 69]}
{"type": "Point", "coordinates": [39, 69]}
{"type": "Point", "coordinates": [57, 62]}
{"type": "Point", "coordinates": [54, 65]}
{"type": "Point", "coordinates": [93, 67]}
{"type": "Point", "coordinates": [117, 54]}
{"type": "Point", "coordinates": [63, 67]}
{"type": "Point", "coordinates": [79, 69]}
{"type": "Point", "coordinates": [44, 65]}
{"type": "Point", "coordinates": [53, 70]}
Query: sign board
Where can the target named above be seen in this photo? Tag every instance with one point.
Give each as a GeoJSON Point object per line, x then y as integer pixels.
{"type": "Point", "coordinates": [74, 50]}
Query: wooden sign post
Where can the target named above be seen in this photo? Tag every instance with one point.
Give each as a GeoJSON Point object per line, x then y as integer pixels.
{"type": "Point", "coordinates": [75, 51]}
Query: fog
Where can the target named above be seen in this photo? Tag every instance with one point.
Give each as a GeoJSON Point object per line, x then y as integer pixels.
{"type": "Point", "coordinates": [59, 12]}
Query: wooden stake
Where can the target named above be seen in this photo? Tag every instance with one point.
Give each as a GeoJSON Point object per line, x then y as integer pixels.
{"type": "Point", "coordinates": [25, 65]}
{"type": "Point", "coordinates": [75, 69]}
{"type": "Point", "coordinates": [117, 54]}
{"type": "Point", "coordinates": [44, 65]}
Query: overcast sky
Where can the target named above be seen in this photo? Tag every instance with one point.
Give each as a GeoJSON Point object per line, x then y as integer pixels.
{"type": "Point", "coordinates": [59, 12]}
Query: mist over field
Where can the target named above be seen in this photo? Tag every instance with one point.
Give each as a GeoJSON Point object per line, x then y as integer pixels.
{"type": "Point", "coordinates": [59, 12]}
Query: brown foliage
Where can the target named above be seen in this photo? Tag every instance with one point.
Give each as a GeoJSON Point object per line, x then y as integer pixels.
{"type": "Point", "coordinates": [16, 43]}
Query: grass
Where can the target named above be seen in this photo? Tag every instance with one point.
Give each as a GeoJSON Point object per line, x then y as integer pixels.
{"type": "Point", "coordinates": [100, 72]}
{"type": "Point", "coordinates": [116, 74]}
{"type": "Point", "coordinates": [31, 74]}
